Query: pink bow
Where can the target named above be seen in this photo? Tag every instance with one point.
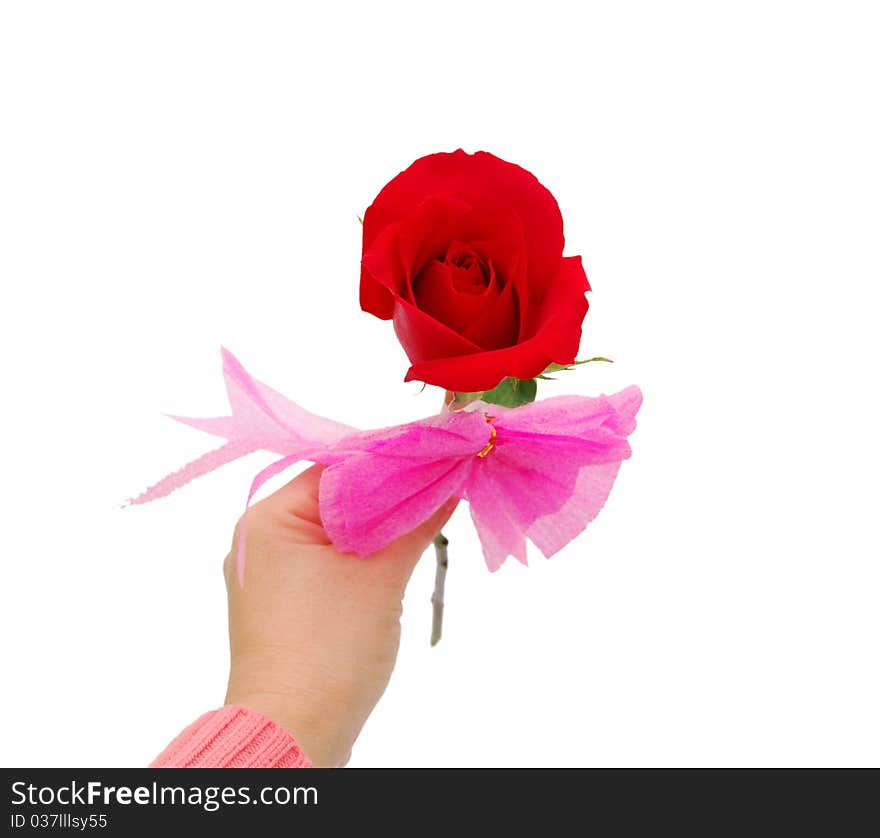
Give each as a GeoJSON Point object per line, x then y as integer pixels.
{"type": "Point", "coordinates": [541, 471]}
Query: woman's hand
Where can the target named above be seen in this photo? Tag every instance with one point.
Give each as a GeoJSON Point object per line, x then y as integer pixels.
{"type": "Point", "coordinates": [313, 633]}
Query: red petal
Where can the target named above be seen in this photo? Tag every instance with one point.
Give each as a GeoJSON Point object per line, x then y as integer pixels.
{"type": "Point", "coordinates": [437, 295]}
{"type": "Point", "coordinates": [481, 180]}
{"type": "Point", "coordinates": [497, 325]}
{"type": "Point", "coordinates": [556, 333]}
{"type": "Point", "coordinates": [424, 338]}
{"type": "Point", "coordinates": [403, 249]}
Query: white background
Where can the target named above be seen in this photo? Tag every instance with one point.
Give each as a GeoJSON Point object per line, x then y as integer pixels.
{"type": "Point", "coordinates": [177, 175]}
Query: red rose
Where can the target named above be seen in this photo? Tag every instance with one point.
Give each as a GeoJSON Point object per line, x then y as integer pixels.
{"type": "Point", "coordinates": [464, 253]}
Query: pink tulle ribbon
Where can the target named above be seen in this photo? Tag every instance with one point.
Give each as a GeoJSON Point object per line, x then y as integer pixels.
{"type": "Point", "coordinates": [540, 472]}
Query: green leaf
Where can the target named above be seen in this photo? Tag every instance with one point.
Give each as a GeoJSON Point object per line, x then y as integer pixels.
{"type": "Point", "coordinates": [512, 392]}
{"type": "Point", "coordinates": [573, 364]}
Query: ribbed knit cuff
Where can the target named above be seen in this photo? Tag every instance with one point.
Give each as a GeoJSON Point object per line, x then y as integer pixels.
{"type": "Point", "coordinates": [233, 737]}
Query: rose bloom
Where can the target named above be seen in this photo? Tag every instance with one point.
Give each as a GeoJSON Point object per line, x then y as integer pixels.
{"type": "Point", "coordinates": [464, 253]}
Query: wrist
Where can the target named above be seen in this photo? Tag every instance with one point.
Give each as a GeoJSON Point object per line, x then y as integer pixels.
{"type": "Point", "coordinates": [311, 723]}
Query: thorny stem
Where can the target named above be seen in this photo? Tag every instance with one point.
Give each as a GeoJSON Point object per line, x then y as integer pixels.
{"type": "Point", "coordinates": [441, 543]}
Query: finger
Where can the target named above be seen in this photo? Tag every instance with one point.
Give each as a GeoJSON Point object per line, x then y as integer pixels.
{"type": "Point", "coordinates": [292, 508]}
{"type": "Point", "coordinates": [299, 497]}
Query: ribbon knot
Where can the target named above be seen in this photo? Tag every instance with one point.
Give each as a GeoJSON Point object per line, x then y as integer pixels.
{"type": "Point", "coordinates": [491, 443]}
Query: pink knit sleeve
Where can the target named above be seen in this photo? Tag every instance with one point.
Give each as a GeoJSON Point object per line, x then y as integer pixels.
{"type": "Point", "coordinates": [233, 737]}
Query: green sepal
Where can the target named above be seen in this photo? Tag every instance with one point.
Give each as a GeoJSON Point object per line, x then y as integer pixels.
{"type": "Point", "coordinates": [512, 392]}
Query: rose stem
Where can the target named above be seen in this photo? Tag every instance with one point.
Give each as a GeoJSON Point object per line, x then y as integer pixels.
{"type": "Point", "coordinates": [441, 543]}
